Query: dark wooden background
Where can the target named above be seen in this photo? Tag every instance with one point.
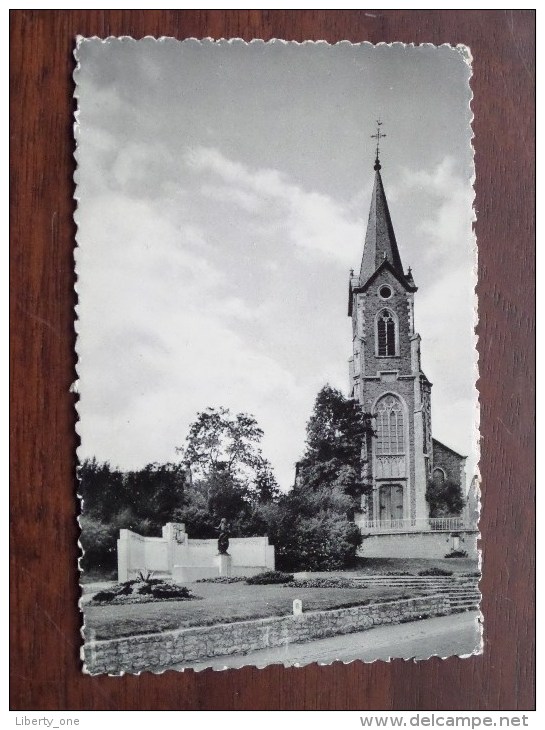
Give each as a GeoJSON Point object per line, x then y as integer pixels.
{"type": "Point", "coordinates": [44, 582]}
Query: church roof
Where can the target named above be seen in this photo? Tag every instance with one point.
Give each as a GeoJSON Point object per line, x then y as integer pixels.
{"type": "Point", "coordinates": [385, 265]}
{"type": "Point", "coordinates": [380, 251]}
{"type": "Point", "coordinates": [441, 445]}
{"type": "Point", "coordinates": [380, 240]}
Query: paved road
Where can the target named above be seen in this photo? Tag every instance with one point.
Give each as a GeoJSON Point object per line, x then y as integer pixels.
{"type": "Point", "coordinates": [443, 636]}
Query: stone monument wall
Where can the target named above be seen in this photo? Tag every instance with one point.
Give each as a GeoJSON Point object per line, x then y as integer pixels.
{"type": "Point", "coordinates": [182, 559]}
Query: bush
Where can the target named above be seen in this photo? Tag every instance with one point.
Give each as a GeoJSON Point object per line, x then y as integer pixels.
{"type": "Point", "coordinates": [326, 541]}
{"type": "Point", "coordinates": [325, 583]}
{"type": "Point", "coordinates": [134, 590]}
{"type": "Point", "coordinates": [269, 577]}
{"type": "Point", "coordinates": [456, 554]}
{"type": "Point", "coordinates": [104, 596]}
{"type": "Point", "coordinates": [435, 572]}
{"type": "Point", "coordinates": [222, 579]}
{"type": "Point", "coordinates": [170, 590]}
{"type": "Point", "coordinates": [98, 541]}
{"type": "Point", "coordinates": [445, 499]}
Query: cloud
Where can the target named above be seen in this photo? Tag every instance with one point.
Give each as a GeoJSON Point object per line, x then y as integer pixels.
{"type": "Point", "coordinates": [315, 223]}
{"type": "Point", "coordinates": [159, 340]}
{"type": "Point", "coordinates": [442, 247]}
{"type": "Point", "coordinates": [226, 285]}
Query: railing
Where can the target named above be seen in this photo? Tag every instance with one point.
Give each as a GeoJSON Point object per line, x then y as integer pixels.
{"type": "Point", "coordinates": [423, 524]}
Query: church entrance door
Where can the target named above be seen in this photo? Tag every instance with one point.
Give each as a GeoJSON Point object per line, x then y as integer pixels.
{"type": "Point", "coordinates": [391, 504]}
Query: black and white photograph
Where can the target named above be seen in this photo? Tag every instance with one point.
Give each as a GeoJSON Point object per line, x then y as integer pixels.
{"type": "Point", "coordinates": [276, 354]}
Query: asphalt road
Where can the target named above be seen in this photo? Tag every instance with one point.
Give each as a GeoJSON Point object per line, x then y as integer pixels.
{"type": "Point", "coordinates": [458, 634]}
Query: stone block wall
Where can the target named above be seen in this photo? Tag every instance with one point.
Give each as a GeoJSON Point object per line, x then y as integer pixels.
{"type": "Point", "coordinates": [419, 544]}
{"type": "Point", "coordinates": [450, 462]}
{"type": "Point", "coordinates": [157, 652]}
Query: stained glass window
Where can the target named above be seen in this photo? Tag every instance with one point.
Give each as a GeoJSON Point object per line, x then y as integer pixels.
{"type": "Point", "coordinates": [390, 435]}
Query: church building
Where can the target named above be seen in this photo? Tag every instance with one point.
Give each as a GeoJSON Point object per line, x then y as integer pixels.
{"type": "Point", "coordinates": [386, 377]}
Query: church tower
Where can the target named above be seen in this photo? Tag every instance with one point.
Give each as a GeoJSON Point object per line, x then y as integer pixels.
{"type": "Point", "coordinates": [387, 379]}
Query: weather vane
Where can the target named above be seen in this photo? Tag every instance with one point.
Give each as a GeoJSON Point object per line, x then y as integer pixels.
{"type": "Point", "coordinates": [378, 136]}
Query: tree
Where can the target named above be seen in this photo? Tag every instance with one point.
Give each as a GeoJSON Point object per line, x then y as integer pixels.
{"type": "Point", "coordinates": [156, 491]}
{"type": "Point", "coordinates": [265, 487]}
{"type": "Point", "coordinates": [102, 489]}
{"type": "Point", "coordinates": [444, 497]}
{"type": "Point", "coordinates": [141, 500]}
{"type": "Point", "coordinates": [232, 479]}
{"type": "Point", "coordinates": [217, 440]}
{"type": "Point", "coordinates": [338, 436]}
{"type": "Point", "coordinates": [312, 526]}
{"type": "Point", "coordinates": [310, 530]}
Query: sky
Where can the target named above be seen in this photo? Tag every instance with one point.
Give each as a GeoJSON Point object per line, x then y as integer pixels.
{"type": "Point", "coordinates": [223, 193]}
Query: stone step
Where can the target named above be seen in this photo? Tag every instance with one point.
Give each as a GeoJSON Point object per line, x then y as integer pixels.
{"type": "Point", "coordinates": [416, 582]}
{"type": "Point", "coordinates": [418, 579]}
{"type": "Point", "coordinates": [465, 599]}
{"type": "Point", "coordinates": [434, 578]}
{"type": "Point", "coordinates": [412, 583]}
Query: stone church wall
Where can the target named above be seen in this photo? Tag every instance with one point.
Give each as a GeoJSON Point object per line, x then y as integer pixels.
{"type": "Point", "coordinates": [452, 464]}
{"type": "Point", "coordinates": [371, 303]}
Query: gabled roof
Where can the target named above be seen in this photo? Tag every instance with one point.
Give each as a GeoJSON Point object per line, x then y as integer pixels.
{"type": "Point", "coordinates": [443, 446]}
{"type": "Point", "coordinates": [380, 240]}
{"type": "Point", "coordinates": [387, 266]}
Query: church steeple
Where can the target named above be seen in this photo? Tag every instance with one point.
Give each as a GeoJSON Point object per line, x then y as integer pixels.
{"type": "Point", "coordinates": [380, 241]}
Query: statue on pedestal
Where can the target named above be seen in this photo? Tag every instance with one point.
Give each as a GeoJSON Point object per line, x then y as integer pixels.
{"type": "Point", "coordinates": [223, 539]}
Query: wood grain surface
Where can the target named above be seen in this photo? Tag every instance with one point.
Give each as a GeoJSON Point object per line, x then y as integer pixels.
{"type": "Point", "coordinates": [45, 621]}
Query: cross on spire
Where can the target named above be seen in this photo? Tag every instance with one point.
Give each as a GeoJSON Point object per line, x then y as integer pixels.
{"type": "Point", "coordinates": [378, 136]}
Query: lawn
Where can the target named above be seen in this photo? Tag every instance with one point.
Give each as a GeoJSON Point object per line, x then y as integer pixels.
{"type": "Point", "coordinates": [222, 604]}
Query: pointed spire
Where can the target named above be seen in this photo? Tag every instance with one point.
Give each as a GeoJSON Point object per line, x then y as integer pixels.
{"type": "Point", "coordinates": [380, 241]}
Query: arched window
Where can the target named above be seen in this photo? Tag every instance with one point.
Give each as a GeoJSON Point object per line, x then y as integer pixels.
{"type": "Point", "coordinates": [390, 432]}
{"type": "Point", "coordinates": [386, 334]}
{"type": "Point", "coordinates": [439, 475]}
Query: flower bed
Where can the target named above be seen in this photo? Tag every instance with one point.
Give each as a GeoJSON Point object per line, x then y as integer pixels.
{"type": "Point", "coordinates": [324, 583]}
{"type": "Point", "coordinates": [142, 590]}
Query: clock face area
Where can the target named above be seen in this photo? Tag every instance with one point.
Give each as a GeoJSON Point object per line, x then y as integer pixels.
{"type": "Point", "coordinates": [385, 292]}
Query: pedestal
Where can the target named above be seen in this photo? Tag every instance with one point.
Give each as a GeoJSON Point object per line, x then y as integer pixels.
{"type": "Point", "coordinates": [224, 564]}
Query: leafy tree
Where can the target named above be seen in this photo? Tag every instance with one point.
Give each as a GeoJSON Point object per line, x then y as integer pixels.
{"type": "Point", "coordinates": [217, 440]}
{"type": "Point", "coordinates": [308, 534]}
{"type": "Point", "coordinates": [141, 500]}
{"type": "Point", "coordinates": [311, 526]}
{"type": "Point", "coordinates": [265, 487]}
{"type": "Point", "coordinates": [194, 513]}
{"type": "Point", "coordinates": [232, 479]}
{"type": "Point", "coordinates": [338, 439]}
{"type": "Point", "coordinates": [156, 491]}
{"type": "Point", "coordinates": [444, 497]}
{"type": "Point", "coordinates": [102, 488]}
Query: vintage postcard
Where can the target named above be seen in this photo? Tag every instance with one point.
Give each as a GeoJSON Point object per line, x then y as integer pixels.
{"type": "Point", "coordinates": [276, 353]}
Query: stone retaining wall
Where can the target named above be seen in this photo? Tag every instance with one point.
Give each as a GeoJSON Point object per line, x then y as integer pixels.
{"type": "Point", "coordinates": [157, 652]}
{"type": "Point", "coordinates": [419, 544]}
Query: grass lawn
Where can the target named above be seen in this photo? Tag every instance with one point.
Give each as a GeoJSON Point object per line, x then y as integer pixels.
{"type": "Point", "coordinates": [222, 604]}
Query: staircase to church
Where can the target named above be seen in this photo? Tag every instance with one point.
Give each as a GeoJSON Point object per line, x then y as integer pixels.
{"type": "Point", "coordinates": [461, 590]}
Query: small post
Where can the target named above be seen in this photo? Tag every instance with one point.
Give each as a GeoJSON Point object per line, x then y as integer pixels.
{"type": "Point", "coordinates": [297, 607]}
